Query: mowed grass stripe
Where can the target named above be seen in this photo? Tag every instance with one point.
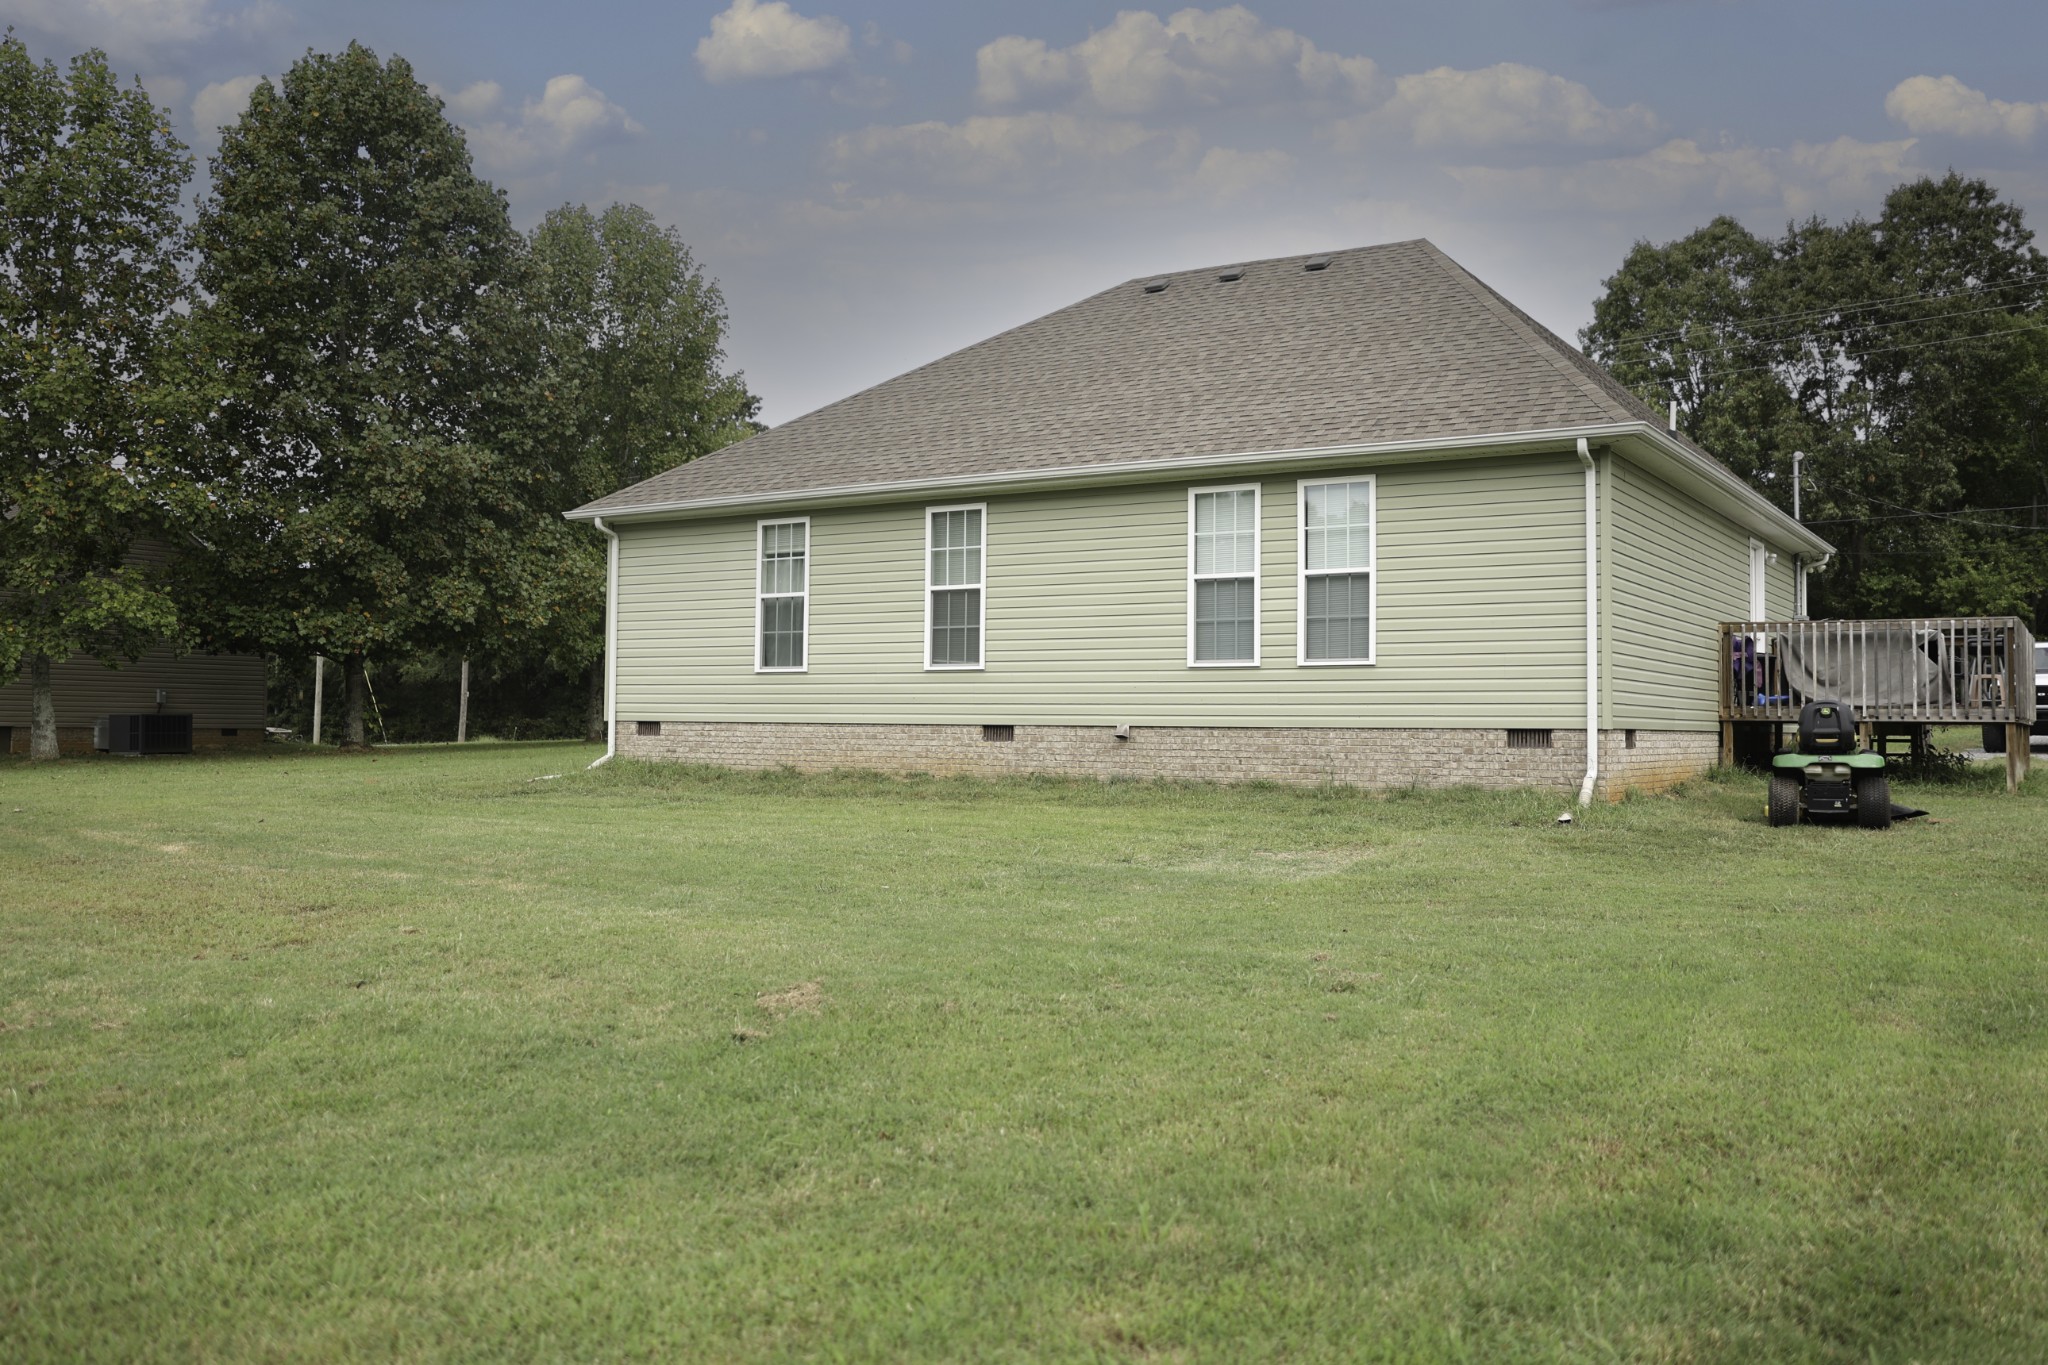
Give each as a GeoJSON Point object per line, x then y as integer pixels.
{"type": "Point", "coordinates": [416, 1056]}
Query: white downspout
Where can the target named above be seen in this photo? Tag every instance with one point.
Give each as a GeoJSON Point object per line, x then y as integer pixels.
{"type": "Point", "coordinates": [1592, 631]}
{"type": "Point", "coordinates": [611, 642]}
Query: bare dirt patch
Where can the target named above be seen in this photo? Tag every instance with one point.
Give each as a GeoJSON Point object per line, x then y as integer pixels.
{"type": "Point", "coordinates": [806, 997]}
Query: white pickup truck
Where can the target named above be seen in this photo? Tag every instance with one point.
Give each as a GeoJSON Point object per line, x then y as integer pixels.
{"type": "Point", "coordinates": [1994, 735]}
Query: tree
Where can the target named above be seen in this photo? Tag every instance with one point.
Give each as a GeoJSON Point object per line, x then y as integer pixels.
{"type": "Point", "coordinates": [368, 383]}
{"type": "Point", "coordinates": [633, 334]}
{"type": "Point", "coordinates": [89, 183]}
{"type": "Point", "coordinates": [1907, 356]}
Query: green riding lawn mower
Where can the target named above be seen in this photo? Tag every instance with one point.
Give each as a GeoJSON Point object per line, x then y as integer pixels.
{"type": "Point", "coordinates": [1828, 775]}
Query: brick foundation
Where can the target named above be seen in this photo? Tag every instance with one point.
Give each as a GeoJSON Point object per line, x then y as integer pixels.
{"type": "Point", "coordinates": [1660, 760]}
{"type": "Point", "coordinates": [1361, 758]}
{"type": "Point", "coordinates": [77, 739]}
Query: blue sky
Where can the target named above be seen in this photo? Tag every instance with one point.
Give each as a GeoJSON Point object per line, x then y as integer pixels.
{"type": "Point", "coordinates": [874, 184]}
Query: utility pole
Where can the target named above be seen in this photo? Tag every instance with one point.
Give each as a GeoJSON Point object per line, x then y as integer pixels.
{"type": "Point", "coordinates": [319, 690]}
{"type": "Point", "coordinates": [1798, 565]}
{"type": "Point", "coordinates": [462, 707]}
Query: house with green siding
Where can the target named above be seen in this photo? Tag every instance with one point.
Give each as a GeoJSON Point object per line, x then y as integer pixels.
{"type": "Point", "coordinates": [1346, 518]}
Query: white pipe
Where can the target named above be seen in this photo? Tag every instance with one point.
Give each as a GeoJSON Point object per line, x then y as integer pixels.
{"type": "Point", "coordinates": [611, 641]}
{"type": "Point", "coordinates": [1592, 630]}
{"type": "Point", "coordinates": [319, 692]}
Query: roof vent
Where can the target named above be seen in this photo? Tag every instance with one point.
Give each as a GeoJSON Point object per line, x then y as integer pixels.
{"type": "Point", "coordinates": [1155, 286]}
{"type": "Point", "coordinates": [1316, 263]}
{"type": "Point", "coordinates": [1232, 275]}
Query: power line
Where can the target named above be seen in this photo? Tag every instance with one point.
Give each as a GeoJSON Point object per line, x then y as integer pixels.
{"type": "Point", "coordinates": [1781, 337]}
{"type": "Point", "coordinates": [1906, 512]}
{"type": "Point", "coordinates": [1837, 310]}
{"type": "Point", "coordinates": [1923, 320]}
{"type": "Point", "coordinates": [1886, 350]}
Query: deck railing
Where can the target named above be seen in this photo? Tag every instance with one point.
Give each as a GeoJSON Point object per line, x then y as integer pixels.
{"type": "Point", "coordinates": [1923, 670]}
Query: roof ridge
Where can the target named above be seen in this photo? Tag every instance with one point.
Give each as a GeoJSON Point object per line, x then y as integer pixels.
{"type": "Point", "coordinates": [1274, 260]}
{"type": "Point", "coordinates": [1543, 338]}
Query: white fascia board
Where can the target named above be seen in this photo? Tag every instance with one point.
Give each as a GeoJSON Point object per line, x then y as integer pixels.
{"type": "Point", "coordinates": [1703, 477]}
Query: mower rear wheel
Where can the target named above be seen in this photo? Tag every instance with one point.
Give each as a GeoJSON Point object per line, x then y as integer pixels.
{"type": "Point", "coordinates": [1784, 801]}
{"type": "Point", "coordinates": [1873, 799]}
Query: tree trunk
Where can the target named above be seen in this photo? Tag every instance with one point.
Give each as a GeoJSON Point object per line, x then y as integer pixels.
{"type": "Point", "coordinates": [357, 677]}
{"type": "Point", "coordinates": [42, 723]}
{"type": "Point", "coordinates": [593, 723]}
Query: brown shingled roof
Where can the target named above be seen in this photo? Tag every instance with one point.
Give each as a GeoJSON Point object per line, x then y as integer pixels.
{"type": "Point", "coordinates": [1388, 343]}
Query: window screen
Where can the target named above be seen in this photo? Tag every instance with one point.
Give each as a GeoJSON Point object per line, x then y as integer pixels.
{"type": "Point", "coordinates": [954, 587]}
{"type": "Point", "coordinates": [1223, 576]}
{"type": "Point", "coordinates": [1336, 572]}
{"type": "Point", "coordinates": [784, 593]}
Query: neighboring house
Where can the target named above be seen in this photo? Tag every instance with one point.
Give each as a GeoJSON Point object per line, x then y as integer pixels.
{"type": "Point", "coordinates": [226, 695]}
{"type": "Point", "coordinates": [1328, 518]}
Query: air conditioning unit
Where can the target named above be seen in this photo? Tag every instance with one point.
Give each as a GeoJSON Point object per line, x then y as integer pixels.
{"type": "Point", "coordinates": [143, 733]}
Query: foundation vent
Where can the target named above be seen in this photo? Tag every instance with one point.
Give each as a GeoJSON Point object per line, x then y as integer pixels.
{"type": "Point", "coordinates": [998, 734]}
{"type": "Point", "coordinates": [1628, 739]}
{"type": "Point", "coordinates": [1528, 739]}
{"type": "Point", "coordinates": [647, 727]}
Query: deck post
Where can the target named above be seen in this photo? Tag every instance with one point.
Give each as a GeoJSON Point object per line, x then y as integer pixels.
{"type": "Point", "coordinates": [2018, 755]}
{"type": "Point", "coordinates": [1727, 743]}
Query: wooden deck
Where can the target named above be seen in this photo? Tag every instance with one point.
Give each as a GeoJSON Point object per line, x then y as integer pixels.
{"type": "Point", "coordinates": [1910, 671]}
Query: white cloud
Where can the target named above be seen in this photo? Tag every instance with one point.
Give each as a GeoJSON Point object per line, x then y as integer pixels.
{"type": "Point", "coordinates": [571, 116]}
{"type": "Point", "coordinates": [1943, 104]}
{"type": "Point", "coordinates": [141, 30]}
{"type": "Point", "coordinates": [1507, 105]}
{"type": "Point", "coordinates": [1799, 179]}
{"type": "Point", "coordinates": [1194, 59]}
{"type": "Point", "coordinates": [219, 104]}
{"type": "Point", "coordinates": [1012, 152]}
{"type": "Point", "coordinates": [1226, 173]}
{"type": "Point", "coordinates": [475, 101]}
{"type": "Point", "coordinates": [752, 40]}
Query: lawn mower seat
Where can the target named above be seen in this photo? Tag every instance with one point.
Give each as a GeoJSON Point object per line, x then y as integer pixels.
{"type": "Point", "coordinates": [1827, 727]}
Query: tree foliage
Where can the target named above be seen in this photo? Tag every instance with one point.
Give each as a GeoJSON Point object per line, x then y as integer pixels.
{"type": "Point", "coordinates": [370, 423]}
{"type": "Point", "coordinates": [364, 427]}
{"type": "Point", "coordinates": [633, 339]}
{"type": "Point", "coordinates": [90, 177]}
{"type": "Point", "coordinates": [1906, 355]}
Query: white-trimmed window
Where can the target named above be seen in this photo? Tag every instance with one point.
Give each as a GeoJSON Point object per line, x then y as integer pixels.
{"type": "Point", "coordinates": [782, 596]}
{"type": "Point", "coordinates": [1223, 576]}
{"type": "Point", "coordinates": [955, 585]}
{"type": "Point", "coordinates": [1335, 605]}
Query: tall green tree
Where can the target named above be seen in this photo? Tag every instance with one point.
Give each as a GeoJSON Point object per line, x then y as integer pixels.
{"type": "Point", "coordinates": [1906, 355]}
{"type": "Point", "coordinates": [634, 340]}
{"type": "Point", "coordinates": [90, 177]}
{"type": "Point", "coordinates": [368, 379]}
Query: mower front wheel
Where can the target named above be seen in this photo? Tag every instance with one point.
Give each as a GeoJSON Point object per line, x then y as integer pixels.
{"type": "Point", "coordinates": [1784, 801]}
{"type": "Point", "coordinates": [1873, 799]}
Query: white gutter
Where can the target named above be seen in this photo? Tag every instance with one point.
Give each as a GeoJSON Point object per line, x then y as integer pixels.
{"type": "Point", "coordinates": [1736, 498]}
{"type": "Point", "coordinates": [611, 642]}
{"type": "Point", "coordinates": [1491, 443]}
{"type": "Point", "coordinates": [1592, 630]}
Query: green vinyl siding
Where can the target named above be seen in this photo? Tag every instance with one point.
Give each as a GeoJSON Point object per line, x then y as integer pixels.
{"type": "Point", "coordinates": [1480, 594]}
{"type": "Point", "coordinates": [1674, 570]}
{"type": "Point", "coordinates": [1778, 592]}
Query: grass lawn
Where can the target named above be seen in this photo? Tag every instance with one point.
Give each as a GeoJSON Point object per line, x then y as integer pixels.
{"type": "Point", "coordinates": [315, 1057]}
